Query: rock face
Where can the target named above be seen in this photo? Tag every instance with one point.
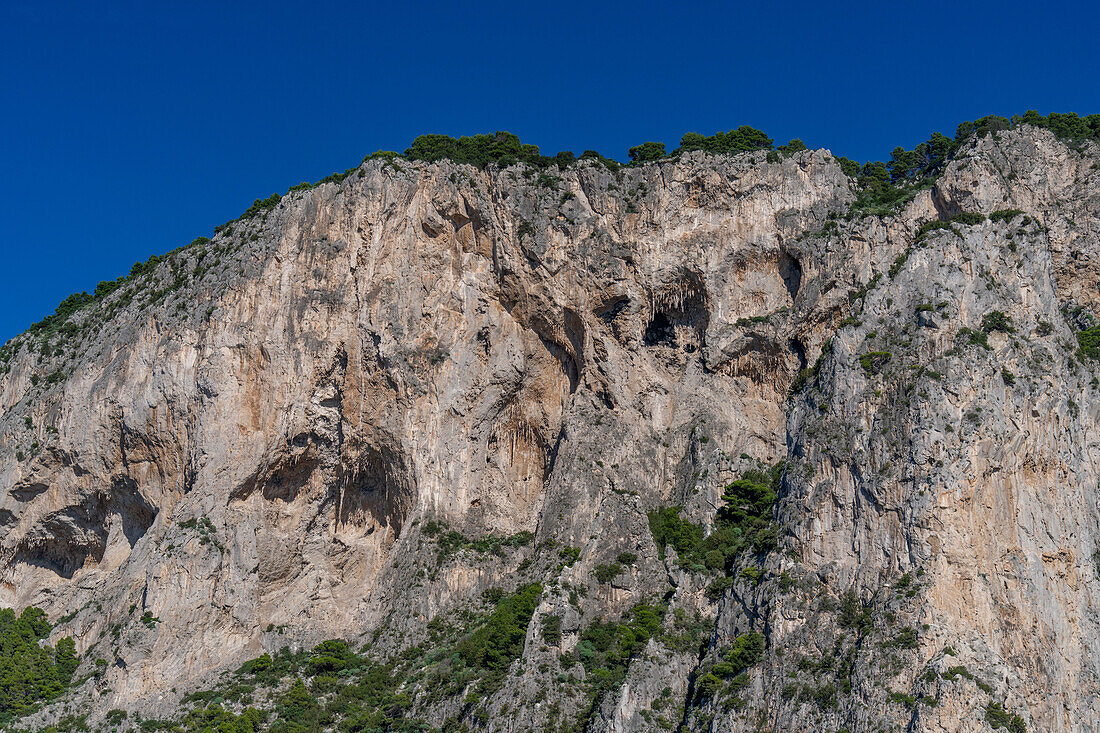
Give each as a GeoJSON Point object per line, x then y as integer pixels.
{"type": "Point", "coordinates": [255, 443]}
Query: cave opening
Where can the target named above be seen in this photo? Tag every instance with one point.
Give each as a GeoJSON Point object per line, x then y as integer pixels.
{"type": "Point", "coordinates": [680, 316]}
{"type": "Point", "coordinates": [660, 331]}
{"type": "Point", "coordinates": [376, 490]}
{"type": "Point", "coordinates": [791, 271]}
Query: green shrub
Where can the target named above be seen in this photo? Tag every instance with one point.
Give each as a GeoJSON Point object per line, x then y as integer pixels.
{"type": "Point", "coordinates": [825, 696]}
{"type": "Point", "coordinates": [569, 555]}
{"type": "Point", "coordinates": [299, 708]}
{"type": "Point", "coordinates": [969, 218]}
{"type": "Point", "coordinates": [884, 187]}
{"type": "Point", "coordinates": [670, 530]}
{"type": "Point", "coordinates": [551, 629]}
{"type": "Point", "coordinates": [262, 205]}
{"type": "Point", "coordinates": [1004, 215]}
{"type": "Point", "coordinates": [607, 573]}
{"type": "Point", "coordinates": [873, 361]}
{"type": "Point", "coordinates": [794, 146]}
{"type": "Point", "coordinates": [499, 641]}
{"type": "Point", "coordinates": [997, 321]}
{"type": "Point", "coordinates": [708, 685]}
{"type": "Point", "coordinates": [747, 650]}
{"type": "Point", "coordinates": [719, 587]}
{"type": "Point", "coordinates": [606, 648]}
{"type": "Point", "coordinates": [848, 166]}
{"type": "Point", "coordinates": [932, 226]}
{"type": "Point", "coordinates": [978, 338]}
{"type": "Point", "coordinates": [451, 542]}
{"type": "Point", "coordinates": [905, 639]}
{"type": "Point", "coordinates": [31, 672]}
{"type": "Point", "coordinates": [256, 666]}
{"type": "Point", "coordinates": [899, 262]}
{"type": "Point", "coordinates": [647, 152]}
{"type": "Point", "coordinates": [741, 140]}
{"type": "Point", "coordinates": [753, 574]}
{"type": "Point", "coordinates": [501, 148]}
{"type": "Point", "coordinates": [214, 718]}
{"type": "Point", "coordinates": [330, 657]}
{"type": "Point", "coordinates": [744, 523]}
{"type": "Point", "coordinates": [853, 614]}
{"type": "Point", "coordinates": [998, 717]}
{"type": "Point", "coordinates": [1089, 341]}
{"type": "Point", "coordinates": [956, 671]}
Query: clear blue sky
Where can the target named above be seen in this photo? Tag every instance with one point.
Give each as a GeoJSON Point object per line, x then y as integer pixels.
{"type": "Point", "coordinates": [130, 128]}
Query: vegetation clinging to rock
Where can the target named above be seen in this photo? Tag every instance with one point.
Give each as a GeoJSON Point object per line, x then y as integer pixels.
{"type": "Point", "coordinates": [31, 672]}
{"type": "Point", "coordinates": [744, 523]}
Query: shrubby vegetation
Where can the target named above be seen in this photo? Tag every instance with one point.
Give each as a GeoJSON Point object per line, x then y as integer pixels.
{"type": "Point", "coordinates": [730, 675]}
{"type": "Point", "coordinates": [741, 140]}
{"type": "Point", "coordinates": [501, 148]}
{"type": "Point", "coordinates": [31, 672]}
{"type": "Point", "coordinates": [997, 321]}
{"type": "Point", "coordinates": [647, 152]}
{"type": "Point", "coordinates": [500, 641]}
{"type": "Point", "coordinates": [1005, 215]}
{"type": "Point", "coordinates": [332, 687]}
{"type": "Point", "coordinates": [885, 186]}
{"type": "Point", "coordinates": [794, 146]}
{"type": "Point", "coordinates": [1065, 125]}
{"type": "Point", "coordinates": [743, 524]}
{"type": "Point", "coordinates": [606, 648]}
{"type": "Point", "coordinates": [451, 542]}
{"type": "Point", "coordinates": [873, 361]}
{"type": "Point", "coordinates": [998, 717]}
{"type": "Point", "coordinates": [1089, 341]}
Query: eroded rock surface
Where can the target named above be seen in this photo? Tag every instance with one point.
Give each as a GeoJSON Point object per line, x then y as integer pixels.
{"type": "Point", "coordinates": [249, 443]}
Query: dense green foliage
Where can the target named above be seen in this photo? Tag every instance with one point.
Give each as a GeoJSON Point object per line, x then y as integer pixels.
{"type": "Point", "coordinates": [853, 613]}
{"type": "Point", "coordinates": [216, 718]}
{"type": "Point", "coordinates": [873, 361]}
{"type": "Point", "coordinates": [606, 647]}
{"type": "Point", "coordinates": [794, 146]}
{"type": "Point", "coordinates": [1005, 215]}
{"type": "Point", "coordinates": [741, 140]}
{"type": "Point", "coordinates": [646, 152]}
{"type": "Point", "coordinates": [607, 573]}
{"type": "Point", "coordinates": [501, 148]}
{"type": "Point", "coordinates": [669, 529]}
{"type": "Point", "coordinates": [998, 717]}
{"type": "Point", "coordinates": [500, 641]}
{"type": "Point", "coordinates": [31, 672]}
{"type": "Point", "coordinates": [743, 524]}
{"type": "Point", "coordinates": [1089, 340]}
{"type": "Point", "coordinates": [261, 205]}
{"type": "Point", "coordinates": [729, 675]}
{"type": "Point", "coordinates": [747, 650]}
{"type": "Point", "coordinates": [997, 321]}
{"type": "Point", "coordinates": [1065, 125]}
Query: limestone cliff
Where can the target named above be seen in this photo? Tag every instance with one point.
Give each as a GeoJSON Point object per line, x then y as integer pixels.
{"type": "Point", "coordinates": [256, 443]}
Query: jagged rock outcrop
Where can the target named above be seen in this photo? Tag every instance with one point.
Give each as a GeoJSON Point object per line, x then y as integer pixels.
{"type": "Point", "coordinates": [255, 443]}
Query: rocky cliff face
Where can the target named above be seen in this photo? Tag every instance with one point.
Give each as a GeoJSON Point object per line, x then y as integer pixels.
{"type": "Point", "coordinates": [259, 442]}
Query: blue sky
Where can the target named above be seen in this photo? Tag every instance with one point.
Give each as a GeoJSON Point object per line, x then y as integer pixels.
{"type": "Point", "coordinates": [130, 128]}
